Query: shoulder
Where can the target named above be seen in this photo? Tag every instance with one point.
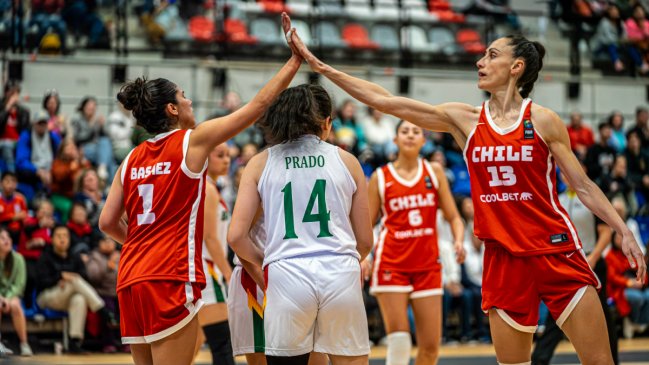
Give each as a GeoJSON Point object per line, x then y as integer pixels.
{"type": "Point", "coordinates": [348, 159]}
{"type": "Point", "coordinates": [547, 122]}
{"type": "Point", "coordinates": [436, 166]}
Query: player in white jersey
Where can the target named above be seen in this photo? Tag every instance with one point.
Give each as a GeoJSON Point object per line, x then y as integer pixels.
{"type": "Point", "coordinates": [318, 227]}
{"type": "Point", "coordinates": [213, 317]}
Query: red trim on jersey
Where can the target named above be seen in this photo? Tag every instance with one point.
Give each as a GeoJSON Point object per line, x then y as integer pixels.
{"type": "Point", "coordinates": [513, 180]}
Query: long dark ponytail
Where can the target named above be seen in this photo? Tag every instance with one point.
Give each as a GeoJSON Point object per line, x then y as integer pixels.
{"type": "Point", "coordinates": [532, 53]}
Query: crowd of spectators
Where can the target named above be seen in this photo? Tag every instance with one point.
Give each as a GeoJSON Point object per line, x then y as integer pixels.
{"type": "Point", "coordinates": [56, 171]}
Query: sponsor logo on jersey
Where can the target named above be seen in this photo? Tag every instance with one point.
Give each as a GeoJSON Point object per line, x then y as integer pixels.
{"type": "Point", "coordinates": [161, 168]}
{"type": "Point", "coordinates": [559, 238]}
{"type": "Point", "coordinates": [429, 183]}
{"type": "Point", "coordinates": [501, 153]}
{"type": "Point", "coordinates": [506, 197]}
{"type": "Point", "coordinates": [413, 233]}
{"type": "Point", "coordinates": [412, 201]}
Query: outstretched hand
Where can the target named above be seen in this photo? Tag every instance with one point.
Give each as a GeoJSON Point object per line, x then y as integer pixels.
{"type": "Point", "coordinates": [298, 46]}
{"type": "Point", "coordinates": [633, 253]}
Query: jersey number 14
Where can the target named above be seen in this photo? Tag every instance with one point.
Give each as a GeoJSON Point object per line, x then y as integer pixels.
{"type": "Point", "coordinates": [322, 216]}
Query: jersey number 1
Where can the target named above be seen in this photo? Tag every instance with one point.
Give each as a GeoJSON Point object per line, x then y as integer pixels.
{"type": "Point", "coordinates": [323, 216]}
{"type": "Point", "coordinates": [147, 216]}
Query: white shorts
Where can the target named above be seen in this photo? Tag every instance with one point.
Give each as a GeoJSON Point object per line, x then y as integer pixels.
{"type": "Point", "coordinates": [315, 304]}
{"type": "Point", "coordinates": [245, 314]}
{"type": "Point", "coordinates": [215, 290]}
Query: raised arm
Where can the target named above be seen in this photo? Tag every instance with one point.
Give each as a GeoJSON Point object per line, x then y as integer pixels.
{"type": "Point", "coordinates": [450, 117]}
{"type": "Point", "coordinates": [554, 132]}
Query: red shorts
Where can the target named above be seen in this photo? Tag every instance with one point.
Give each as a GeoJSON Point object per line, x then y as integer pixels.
{"type": "Point", "coordinates": [515, 285]}
{"type": "Point", "coordinates": [418, 283]}
{"type": "Point", "coordinates": [153, 310]}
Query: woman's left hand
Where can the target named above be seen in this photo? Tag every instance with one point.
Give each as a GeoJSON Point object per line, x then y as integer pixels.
{"type": "Point", "coordinates": [633, 253]}
{"type": "Point", "coordinates": [460, 253]}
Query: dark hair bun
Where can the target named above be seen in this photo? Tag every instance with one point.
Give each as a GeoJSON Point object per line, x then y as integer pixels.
{"type": "Point", "coordinates": [130, 94]}
{"type": "Point", "coordinates": [540, 49]}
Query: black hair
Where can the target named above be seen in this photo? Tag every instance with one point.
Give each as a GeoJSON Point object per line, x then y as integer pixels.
{"type": "Point", "coordinates": [612, 117]}
{"type": "Point", "coordinates": [9, 174]}
{"type": "Point", "coordinates": [84, 102]}
{"type": "Point", "coordinates": [148, 100]}
{"type": "Point", "coordinates": [10, 86]}
{"type": "Point", "coordinates": [619, 26]}
{"type": "Point", "coordinates": [9, 260]}
{"type": "Point", "coordinates": [603, 125]}
{"type": "Point", "coordinates": [297, 111]}
{"type": "Point", "coordinates": [52, 94]}
{"type": "Point", "coordinates": [396, 130]}
{"type": "Point", "coordinates": [60, 226]}
{"type": "Point", "coordinates": [80, 205]}
{"type": "Point", "coordinates": [639, 110]}
{"type": "Point", "coordinates": [532, 53]}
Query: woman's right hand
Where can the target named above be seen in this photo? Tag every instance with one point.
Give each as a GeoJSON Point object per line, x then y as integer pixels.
{"type": "Point", "coordinates": [366, 268]}
{"type": "Point", "coordinates": [297, 45]}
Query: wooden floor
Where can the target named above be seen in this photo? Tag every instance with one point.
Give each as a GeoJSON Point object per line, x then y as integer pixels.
{"type": "Point", "coordinates": [638, 348]}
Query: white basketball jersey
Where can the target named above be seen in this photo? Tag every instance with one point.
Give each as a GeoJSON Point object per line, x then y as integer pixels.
{"type": "Point", "coordinates": [222, 224]}
{"type": "Point", "coordinates": [306, 192]}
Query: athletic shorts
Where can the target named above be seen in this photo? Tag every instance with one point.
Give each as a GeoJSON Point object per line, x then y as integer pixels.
{"type": "Point", "coordinates": [315, 304]}
{"type": "Point", "coordinates": [215, 288]}
{"type": "Point", "coordinates": [245, 314]}
{"type": "Point", "coordinates": [515, 285]}
{"type": "Point", "coordinates": [153, 310]}
{"type": "Point", "coordinates": [419, 284]}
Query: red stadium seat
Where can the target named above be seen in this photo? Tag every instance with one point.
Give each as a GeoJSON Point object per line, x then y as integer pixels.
{"type": "Point", "coordinates": [356, 37]}
{"type": "Point", "coordinates": [470, 41]}
{"type": "Point", "coordinates": [236, 32]}
{"type": "Point", "coordinates": [274, 6]}
{"type": "Point", "coordinates": [442, 9]}
{"type": "Point", "coordinates": [201, 29]}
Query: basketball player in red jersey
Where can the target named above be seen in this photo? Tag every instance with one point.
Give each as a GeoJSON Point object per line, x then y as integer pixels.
{"type": "Point", "coordinates": [532, 250]}
{"type": "Point", "coordinates": [407, 269]}
{"type": "Point", "coordinates": [160, 187]}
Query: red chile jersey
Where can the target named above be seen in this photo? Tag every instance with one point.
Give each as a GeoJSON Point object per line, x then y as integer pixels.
{"type": "Point", "coordinates": [513, 180]}
{"type": "Point", "coordinates": [164, 203]}
{"type": "Point", "coordinates": [408, 238]}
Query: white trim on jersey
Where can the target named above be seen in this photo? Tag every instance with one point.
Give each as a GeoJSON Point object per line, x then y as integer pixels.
{"type": "Point", "coordinates": [404, 182]}
{"type": "Point", "coordinates": [429, 168]}
{"type": "Point", "coordinates": [125, 166]}
{"type": "Point", "coordinates": [426, 293]}
{"type": "Point", "coordinates": [503, 131]}
{"type": "Point", "coordinates": [191, 236]}
{"type": "Point", "coordinates": [566, 220]}
{"type": "Point", "coordinates": [348, 173]}
{"type": "Point", "coordinates": [466, 145]}
{"type": "Point", "coordinates": [510, 321]}
{"type": "Point", "coordinates": [380, 178]}
{"type": "Point", "coordinates": [571, 306]}
{"type": "Point", "coordinates": [189, 295]}
{"type": "Point", "coordinates": [183, 165]}
{"type": "Point", "coordinates": [160, 136]}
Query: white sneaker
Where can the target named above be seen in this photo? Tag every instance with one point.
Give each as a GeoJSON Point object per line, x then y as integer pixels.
{"type": "Point", "coordinates": [4, 351]}
{"type": "Point", "coordinates": [25, 350]}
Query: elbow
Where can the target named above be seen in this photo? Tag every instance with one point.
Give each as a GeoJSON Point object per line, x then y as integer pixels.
{"type": "Point", "coordinates": [106, 225]}
{"type": "Point", "coordinates": [234, 239]}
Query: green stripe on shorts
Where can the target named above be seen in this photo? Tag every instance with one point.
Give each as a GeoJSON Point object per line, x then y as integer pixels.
{"type": "Point", "coordinates": [218, 291]}
{"type": "Point", "coordinates": [258, 332]}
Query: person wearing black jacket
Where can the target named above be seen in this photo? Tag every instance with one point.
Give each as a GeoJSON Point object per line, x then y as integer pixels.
{"type": "Point", "coordinates": [63, 285]}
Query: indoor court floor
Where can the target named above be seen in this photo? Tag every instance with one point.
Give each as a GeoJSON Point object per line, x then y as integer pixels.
{"type": "Point", "coordinates": [632, 352]}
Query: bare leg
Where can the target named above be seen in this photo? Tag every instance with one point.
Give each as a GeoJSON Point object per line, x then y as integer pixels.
{"type": "Point", "coordinates": [18, 318]}
{"type": "Point", "coordinates": [349, 360]}
{"type": "Point", "coordinates": [586, 328]}
{"type": "Point", "coordinates": [318, 358]}
{"type": "Point", "coordinates": [200, 339]}
{"type": "Point", "coordinates": [256, 359]}
{"type": "Point", "coordinates": [178, 348]}
{"type": "Point", "coordinates": [394, 310]}
{"type": "Point", "coordinates": [428, 326]}
{"type": "Point", "coordinates": [142, 354]}
{"type": "Point", "coordinates": [512, 346]}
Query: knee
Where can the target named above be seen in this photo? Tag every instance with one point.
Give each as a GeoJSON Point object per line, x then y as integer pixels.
{"type": "Point", "coordinates": [77, 301]}
{"type": "Point", "coordinates": [428, 348]}
{"type": "Point", "coordinates": [16, 307]}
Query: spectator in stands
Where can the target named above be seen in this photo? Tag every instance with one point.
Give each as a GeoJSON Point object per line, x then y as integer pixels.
{"type": "Point", "coordinates": [82, 18]}
{"type": "Point", "coordinates": [455, 296]}
{"type": "Point", "coordinates": [35, 153]}
{"type": "Point", "coordinates": [247, 152]}
{"type": "Point", "coordinates": [119, 126]}
{"type": "Point", "coordinates": [379, 131]}
{"type": "Point", "coordinates": [641, 126]}
{"type": "Point", "coordinates": [66, 169]}
{"type": "Point", "coordinates": [88, 133]}
{"type": "Point", "coordinates": [499, 10]}
{"type": "Point", "coordinates": [90, 193]}
{"type": "Point", "coordinates": [630, 295]}
{"type": "Point", "coordinates": [439, 157]}
{"type": "Point", "coordinates": [14, 119]}
{"type": "Point", "coordinates": [82, 236]}
{"type": "Point", "coordinates": [637, 29]}
{"type": "Point", "coordinates": [46, 14]}
{"type": "Point", "coordinates": [618, 138]}
{"type": "Point", "coordinates": [13, 207]}
{"type": "Point", "coordinates": [581, 136]}
{"type": "Point", "coordinates": [12, 287]}
{"type": "Point", "coordinates": [232, 102]}
{"type": "Point", "coordinates": [57, 122]}
{"type": "Point", "coordinates": [37, 235]}
{"type": "Point", "coordinates": [102, 274]}
{"type": "Point", "coordinates": [638, 164]}
{"type": "Point", "coordinates": [618, 184]}
{"type": "Point", "coordinates": [609, 38]}
{"type": "Point", "coordinates": [600, 156]}
{"type": "Point", "coordinates": [63, 283]}
{"type": "Point", "coordinates": [348, 132]}
{"type": "Point", "coordinates": [472, 270]}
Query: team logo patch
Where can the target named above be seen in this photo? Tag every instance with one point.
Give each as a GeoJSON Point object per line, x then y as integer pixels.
{"type": "Point", "coordinates": [528, 129]}
{"type": "Point", "coordinates": [429, 183]}
{"type": "Point", "coordinates": [387, 275]}
{"type": "Point", "coordinates": [559, 238]}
